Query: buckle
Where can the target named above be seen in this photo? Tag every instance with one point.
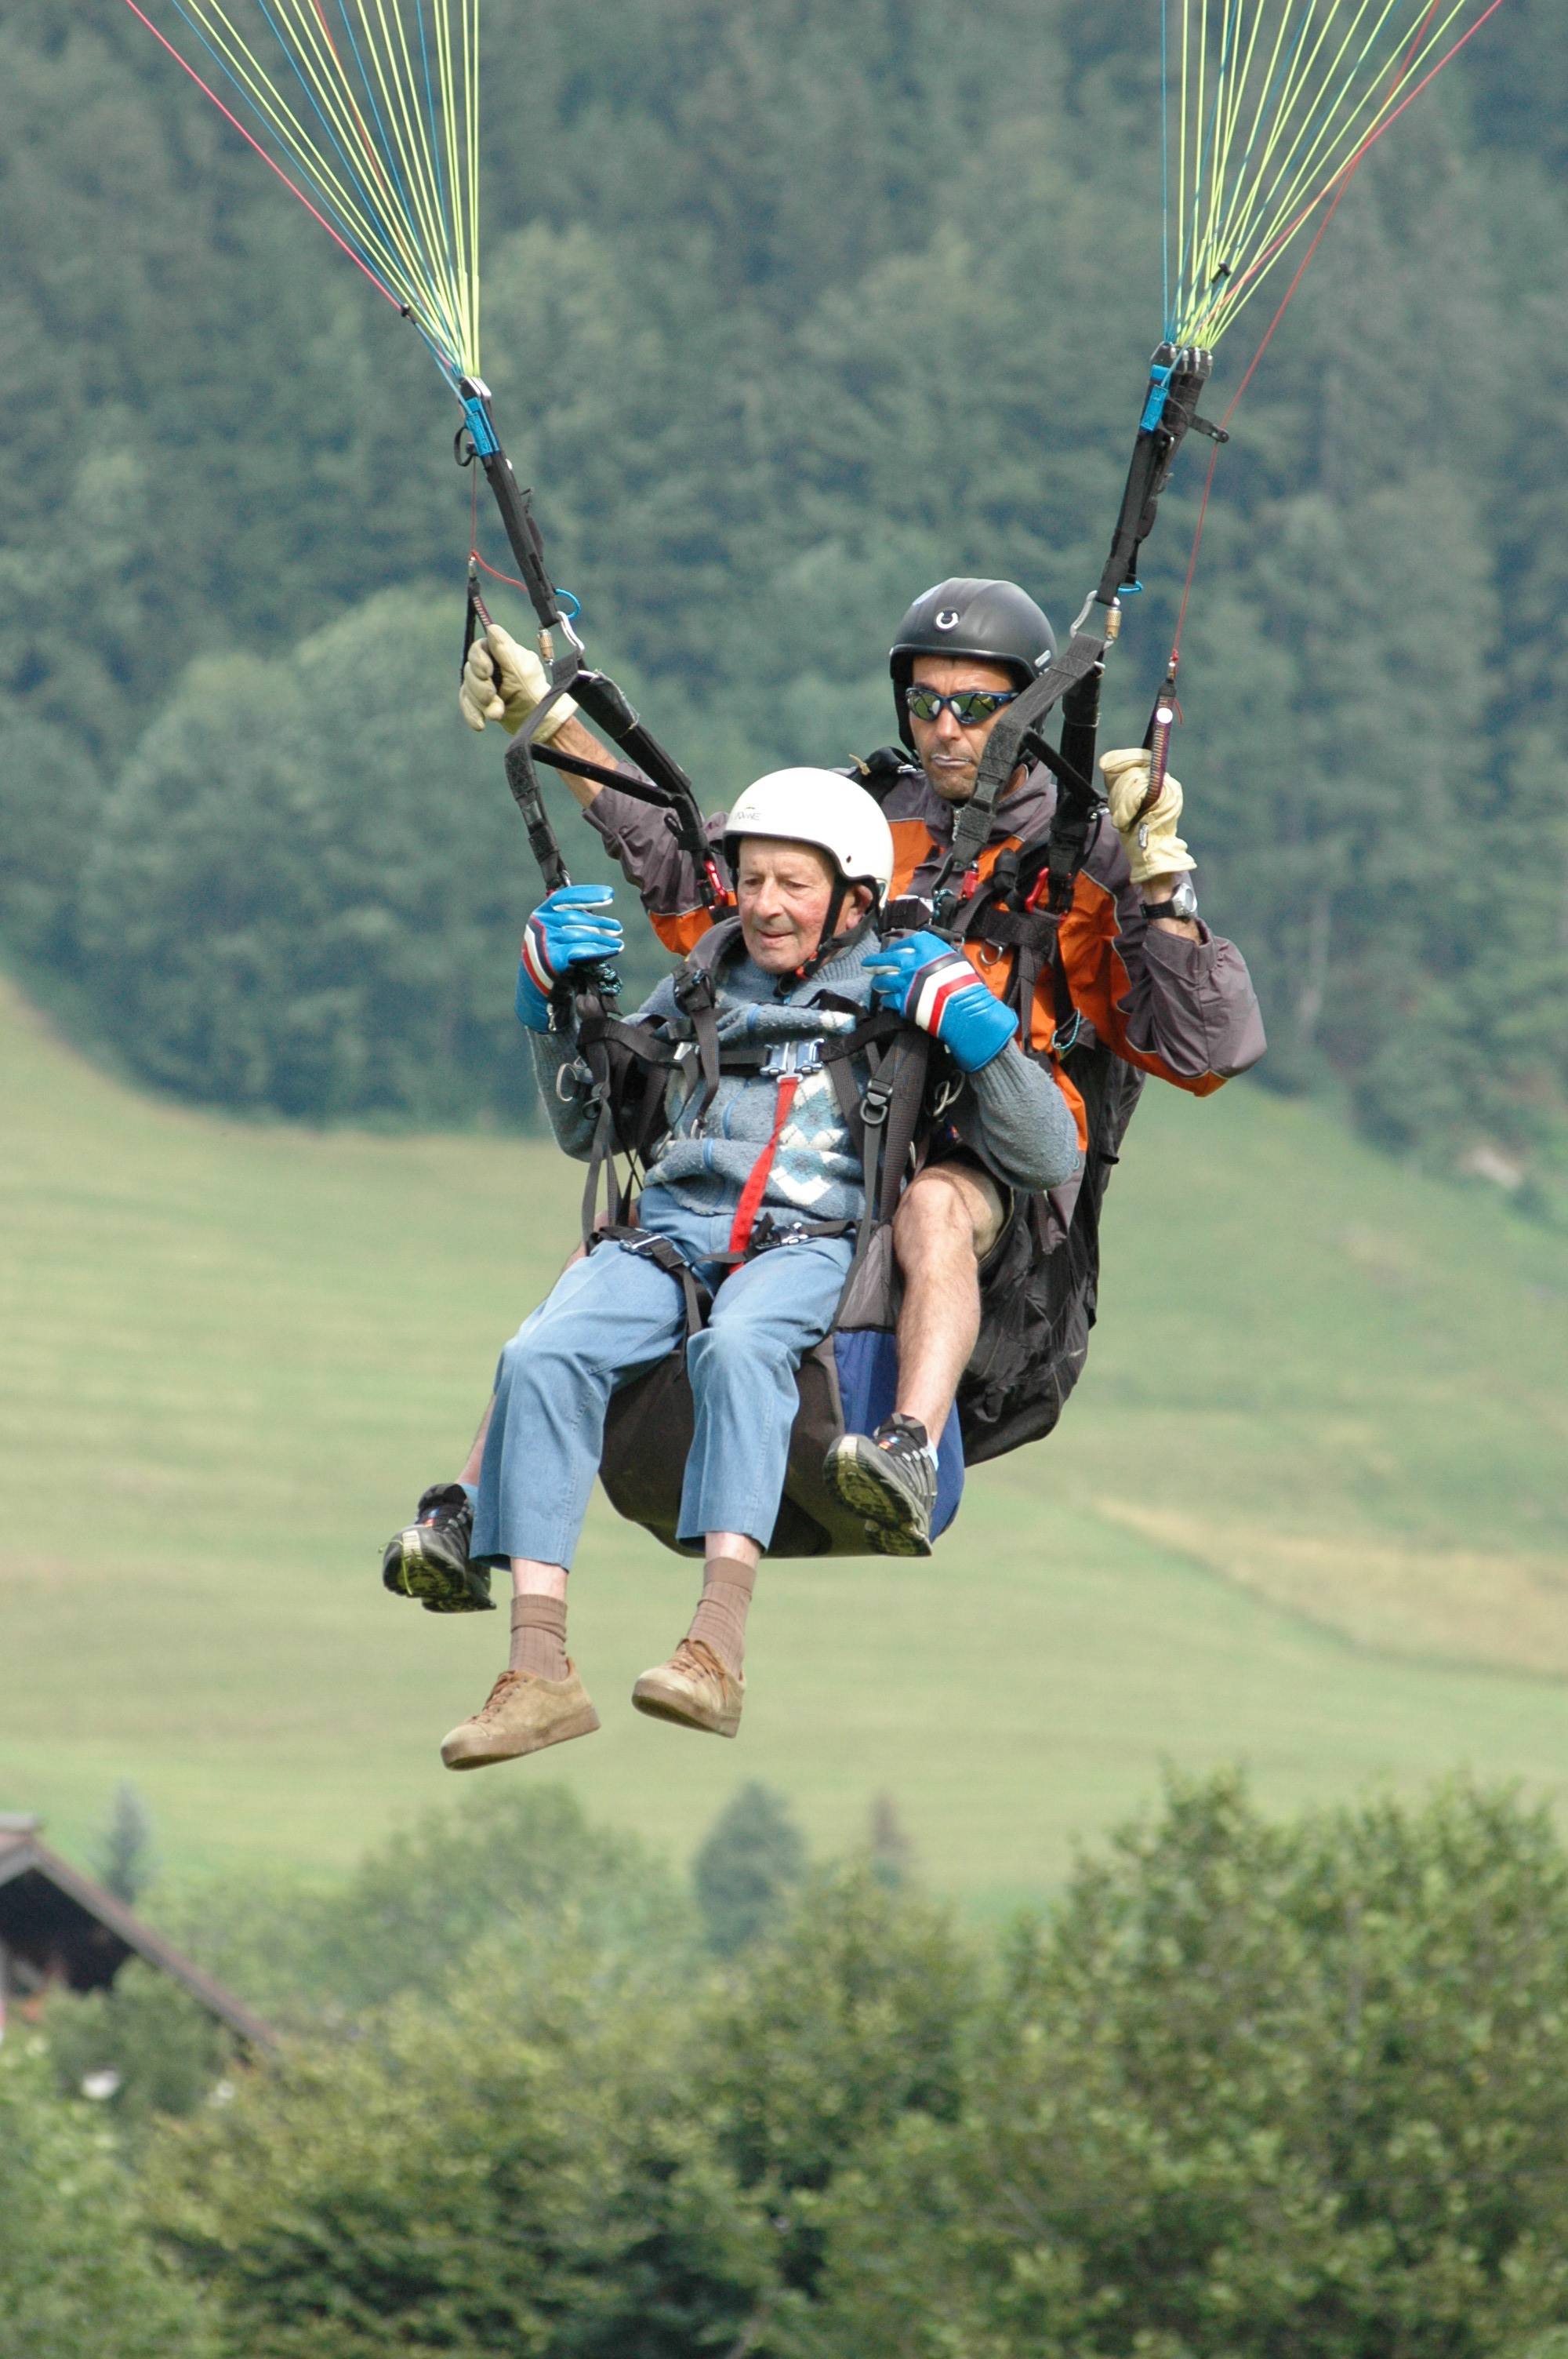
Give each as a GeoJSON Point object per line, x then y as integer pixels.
{"type": "Point", "coordinates": [874, 1104]}
{"type": "Point", "coordinates": [792, 1057]}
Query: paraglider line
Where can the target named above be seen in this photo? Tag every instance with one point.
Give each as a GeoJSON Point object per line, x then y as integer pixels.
{"type": "Point", "coordinates": [1347, 176]}
{"type": "Point", "coordinates": [272, 166]}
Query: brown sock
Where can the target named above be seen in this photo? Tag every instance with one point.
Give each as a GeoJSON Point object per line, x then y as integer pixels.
{"type": "Point", "coordinates": [721, 1617]}
{"type": "Point", "coordinates": [539, 1636]}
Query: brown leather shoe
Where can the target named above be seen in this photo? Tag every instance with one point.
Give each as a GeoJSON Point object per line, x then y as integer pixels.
{"type": "Point", "coordinates": [695, 1689]}
{"type": "Point", "coordinates": [523, 1715]}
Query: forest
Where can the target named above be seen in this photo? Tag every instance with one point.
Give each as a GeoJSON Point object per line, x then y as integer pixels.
{"type": "Point", "coordinates": [1253, 2088]}
{"type": "Point", "coordinates": [789, 310]}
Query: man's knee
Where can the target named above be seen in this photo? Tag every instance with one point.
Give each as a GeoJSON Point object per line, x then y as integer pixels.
{"type": "Point", "coordinates": [951, 1211]}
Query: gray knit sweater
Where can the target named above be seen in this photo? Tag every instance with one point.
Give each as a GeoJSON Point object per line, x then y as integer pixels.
{"type": "Point", "coordinates": [1009, 1112]}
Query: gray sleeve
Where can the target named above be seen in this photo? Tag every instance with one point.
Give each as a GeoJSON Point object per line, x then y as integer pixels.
{"type": "Point", "coordinates": [564, 1095]}
{"type": "Point", "coordinates": [649, 857]}
{"type": "Point", "coordinates": [1017, 1120]}
{"type": "Point", "coordinates": [1192, 1005]}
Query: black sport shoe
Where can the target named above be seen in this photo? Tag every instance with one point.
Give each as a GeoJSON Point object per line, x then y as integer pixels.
{"type": "Point", "coordinates": [887, 1478]}
{"type": "Point", "coordinates": [429, 1558]}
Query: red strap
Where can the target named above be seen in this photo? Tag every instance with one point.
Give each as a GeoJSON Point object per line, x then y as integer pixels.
{"type": "Point", "coordinates": [751, 1194]}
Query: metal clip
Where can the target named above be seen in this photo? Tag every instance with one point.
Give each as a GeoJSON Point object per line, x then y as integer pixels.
{"type": "Point", "coordinates": [792, 1057]}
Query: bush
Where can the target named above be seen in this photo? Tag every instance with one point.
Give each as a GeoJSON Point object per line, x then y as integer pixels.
{"type": "Point", "coordinates": [508, 1865]}
{"type": "Point", "coordinates": [1258, 2090]}
{"type": "Point", "coordinates": [854, 2020]}
{"type": "Point", "coordinates": [78, 2272]}
{"type": "Point", "coordinates": [518, 2173]}
{"type": "Point", "coordinates": [165, 2053]}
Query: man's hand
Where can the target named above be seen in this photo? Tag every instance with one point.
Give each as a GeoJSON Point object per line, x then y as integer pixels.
{"type": "Point", "coordinates": [567, 930]}
{"type": "Point", "coordinates": [934, 986]}
{"type": "Point", "coordinates": [503, 681]}
{"type": "Point", "coordinates": [1152, 845]}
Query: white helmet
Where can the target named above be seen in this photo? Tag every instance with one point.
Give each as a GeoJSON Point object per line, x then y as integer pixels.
{"type": "Point", "coordinates": [815, 807]}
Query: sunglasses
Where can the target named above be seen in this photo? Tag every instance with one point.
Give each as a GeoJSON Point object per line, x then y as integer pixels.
{"type": "Point", "coordinates": [969, 708]}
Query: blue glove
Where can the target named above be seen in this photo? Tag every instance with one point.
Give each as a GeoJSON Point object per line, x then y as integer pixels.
{"type": "Point", "coordinates": [565, 930]}
{"type": "Point", "coordinates": [934, 986]}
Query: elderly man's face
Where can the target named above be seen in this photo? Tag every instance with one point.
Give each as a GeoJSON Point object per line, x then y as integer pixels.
{"type": "Point", "coordinates": [948, 752]}
{"type": "Point", "coordinates": [782, 890]}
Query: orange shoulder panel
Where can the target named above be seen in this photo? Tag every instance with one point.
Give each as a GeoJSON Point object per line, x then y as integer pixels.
{"type": "Point", "coordinates": [683, 932]}
{"type": "Point", "coordinates": [912, 842]}
{"type": "Point", "coordinates": [994, 966]}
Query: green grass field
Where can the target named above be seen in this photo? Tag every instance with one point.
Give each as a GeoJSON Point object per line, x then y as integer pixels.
{"type": "Point", "coordinates": [1309, 1509]}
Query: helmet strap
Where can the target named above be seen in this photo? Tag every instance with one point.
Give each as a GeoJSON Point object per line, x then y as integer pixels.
{"type": "Point", "coordinates": [832, 944]}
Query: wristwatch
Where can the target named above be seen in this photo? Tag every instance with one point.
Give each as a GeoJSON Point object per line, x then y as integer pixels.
{"type": "Point", "coordinates": [1183, 903]}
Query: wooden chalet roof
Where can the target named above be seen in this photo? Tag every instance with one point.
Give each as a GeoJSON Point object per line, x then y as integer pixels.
{"type": "Point", "coordinates": [67, 1929]}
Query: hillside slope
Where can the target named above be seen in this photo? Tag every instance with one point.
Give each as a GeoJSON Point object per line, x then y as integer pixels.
{"type": "Point", "coordinates": [1310, 1506]}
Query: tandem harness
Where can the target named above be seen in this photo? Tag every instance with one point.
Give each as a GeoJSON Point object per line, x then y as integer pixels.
{"type": "Point", "coordinates": [1039, 1291]}
{"type": "Point", "coordinates": [847, 1381]}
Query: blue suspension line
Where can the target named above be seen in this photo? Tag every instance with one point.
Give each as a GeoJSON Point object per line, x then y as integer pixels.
{"type": "Point", "coordinates": [330, 203]}
{"type": "Point", "coordinates": [410, 221]}
{"type": "Point", "coordinates": [372, 203]}
{"type": "Point", "coordinates": [436, 142]}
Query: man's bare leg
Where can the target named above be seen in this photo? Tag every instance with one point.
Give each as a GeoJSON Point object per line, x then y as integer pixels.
{"type": "Point", "coordinates": [951, 1216]}
{"type": "Point", "coordinates": [476, 1455]}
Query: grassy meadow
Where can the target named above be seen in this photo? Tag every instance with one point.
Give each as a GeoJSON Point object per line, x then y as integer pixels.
{"type": "Point", "coordinates": [1309, 1509]}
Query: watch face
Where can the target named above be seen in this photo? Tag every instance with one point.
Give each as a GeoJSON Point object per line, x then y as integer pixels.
{"type": "Point", "coordinates": [1185, 900]}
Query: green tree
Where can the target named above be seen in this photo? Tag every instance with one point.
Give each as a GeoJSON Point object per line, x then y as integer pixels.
{"type": "Point", "coordinates": [509, 1864]}
{"type": "Point", "coordinates": [1255, 2088]}
{"type": "Point", "coordinates": [748, 1864]}
{"type": "Point", "coordinates": [854, 2019]}
{"type": "Point", "coordinates": [127, 1859]}
{"type": "Point", "coordinates": [302, 895]}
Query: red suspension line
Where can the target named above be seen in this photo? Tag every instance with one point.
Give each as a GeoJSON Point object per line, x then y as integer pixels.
{"type": "Point", "coordinates": [272, 166]}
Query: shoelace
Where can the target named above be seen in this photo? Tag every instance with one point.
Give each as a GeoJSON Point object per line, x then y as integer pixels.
{"type": "Point", "coordinates": [494, 1698]}
{"type": "Point", "coordinates": [700, 1658]}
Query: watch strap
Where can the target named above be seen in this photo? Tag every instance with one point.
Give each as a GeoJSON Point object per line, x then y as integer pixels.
{"type": "Point", "coordinates": [1169, 909]}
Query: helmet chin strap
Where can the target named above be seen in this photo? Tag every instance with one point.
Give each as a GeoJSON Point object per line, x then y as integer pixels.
{"type": "Point", "coordinates": [831, 944]}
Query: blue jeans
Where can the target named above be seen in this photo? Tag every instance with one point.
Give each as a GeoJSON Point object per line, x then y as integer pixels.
{"type": "Point", "coordinates": [607, 1320]}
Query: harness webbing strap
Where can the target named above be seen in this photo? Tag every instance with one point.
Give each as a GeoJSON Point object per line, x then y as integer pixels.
{"type": "Point", "coordinates": [757, 1179]}
{"type": "Point", "coordinates": [650, 1246]}
{"type": "Point", "coordinates": [1012, 734]}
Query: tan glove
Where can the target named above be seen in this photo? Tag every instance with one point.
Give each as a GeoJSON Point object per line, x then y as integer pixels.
{"type": "Point", "coordinates": [1152, 845]}
{"type": "Point", "coordinates": [503, 681]}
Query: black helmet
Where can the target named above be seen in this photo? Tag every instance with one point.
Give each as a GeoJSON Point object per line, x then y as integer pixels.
{"type": "Point", "coordinates": [994, 621]}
